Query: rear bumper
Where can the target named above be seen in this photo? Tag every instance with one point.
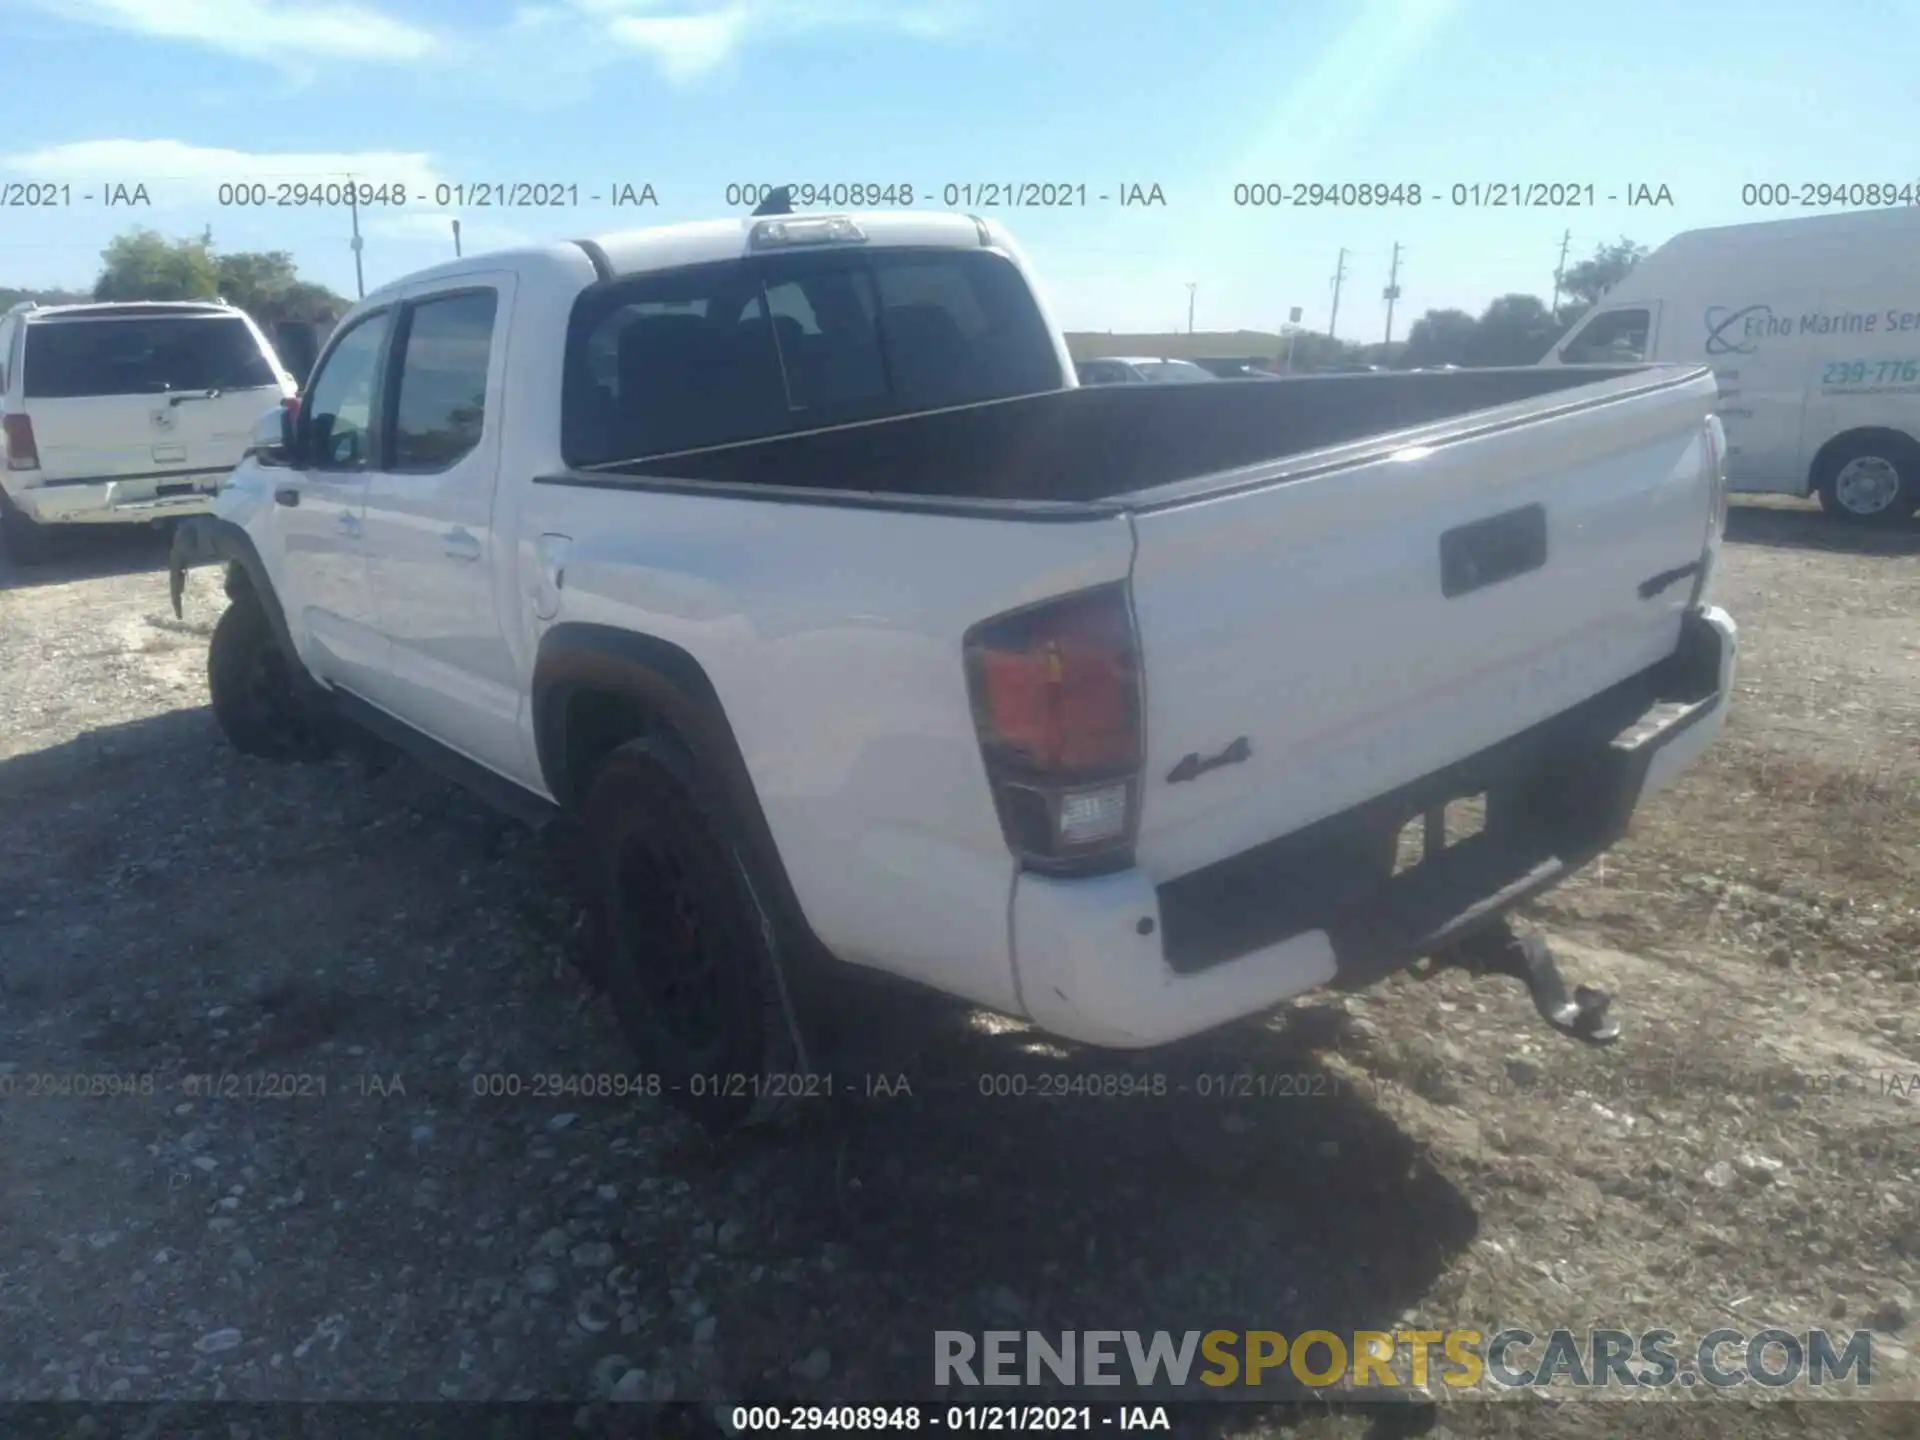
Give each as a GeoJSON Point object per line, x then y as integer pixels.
{"type": "Point", "coordinates": [1119, 961]}
{"type": "Point", "coordinates": [121, 502]}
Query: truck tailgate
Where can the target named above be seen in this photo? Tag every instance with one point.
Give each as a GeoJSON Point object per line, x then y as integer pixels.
{"type": "Point", "coordinates": [1312, 640]}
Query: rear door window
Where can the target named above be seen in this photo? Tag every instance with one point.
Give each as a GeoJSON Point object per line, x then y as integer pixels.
{"type": "Point", "coordinates": [745, 350]}
{"type": "Point", "coordinates": [143, 355]}
{"type": "Point", "coordinates": [442, 405]}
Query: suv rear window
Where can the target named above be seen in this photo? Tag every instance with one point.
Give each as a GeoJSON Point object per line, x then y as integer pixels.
{"type": "Point", "coordinates": [716, 354]}
{"type": "Point", "coordinates": [141, 355]}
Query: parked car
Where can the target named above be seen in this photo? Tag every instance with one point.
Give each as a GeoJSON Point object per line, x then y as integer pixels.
{"type": "Point", "coordinates": [1812, 326]}
{"type": "Point", "coordinates": [124, 413]}
{"type": "Point", "coordinates": [780, 561]}
{"type": "Point", "coordinates": [1235, 370]}
{"type": "Point", "coordinates": [1133, 370]}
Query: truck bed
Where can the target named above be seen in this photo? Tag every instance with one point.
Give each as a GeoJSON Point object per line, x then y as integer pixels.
{"type": "Point", "coordinates": [1091, 446]}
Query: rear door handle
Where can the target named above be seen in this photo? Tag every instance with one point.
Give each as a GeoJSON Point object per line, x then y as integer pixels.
{"type": "Point", "coordinates": [460, 545]}
{"type": "Point", "coordinates": [288, 495]}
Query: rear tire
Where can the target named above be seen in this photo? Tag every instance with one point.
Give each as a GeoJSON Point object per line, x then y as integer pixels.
{"type": "Point", "coordinates": [1873, 480]}
{"type": "Point", "coordinates": [23, 540]}
{"type": "Point", "coordinates": [255, 697]}
{"type": "Point", "coordinates": [688, 946]}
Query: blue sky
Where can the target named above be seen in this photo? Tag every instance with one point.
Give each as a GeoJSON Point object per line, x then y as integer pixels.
{"type": "Point", "coordinates": [1192, 95]}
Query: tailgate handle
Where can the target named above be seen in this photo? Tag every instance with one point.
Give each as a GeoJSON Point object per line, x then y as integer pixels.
{"type": "Point", "coordinates": [1501, 547]}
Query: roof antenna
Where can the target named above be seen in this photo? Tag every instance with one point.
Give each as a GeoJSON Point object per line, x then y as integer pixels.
{"type": "Point", "coordinates": [779, 201]}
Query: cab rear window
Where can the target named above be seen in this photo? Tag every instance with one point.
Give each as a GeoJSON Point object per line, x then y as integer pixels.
{"type": "Point", "coordinates": [747, 350]}
{"type": "Point", "coordinates": [142, 355]}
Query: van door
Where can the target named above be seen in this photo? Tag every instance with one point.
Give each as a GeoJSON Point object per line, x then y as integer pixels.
{"type": "Point", "coordinates": [162, 398]}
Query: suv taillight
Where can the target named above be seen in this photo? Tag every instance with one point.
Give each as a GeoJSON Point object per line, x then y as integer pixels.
{"type": "Point", "coordinates": [1056, 703]}
{"type": "Point", "coordinates": [22, 453]}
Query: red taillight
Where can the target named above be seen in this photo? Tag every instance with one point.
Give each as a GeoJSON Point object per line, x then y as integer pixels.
{"type": "Point", "coordinates": [1056, 702]}
{"type": "Point", "coordinates": [292, 406]}
{"type": "Point", "coordinates": [22, 453]}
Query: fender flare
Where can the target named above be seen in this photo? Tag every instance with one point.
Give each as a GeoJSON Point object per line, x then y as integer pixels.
{"type": "Point", "coordinates": [209, 540]}
{"type": "Point", "coordinates": [667, 689]}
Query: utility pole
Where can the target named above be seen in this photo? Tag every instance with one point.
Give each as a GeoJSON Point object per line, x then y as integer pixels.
{"type": "Point", "coordinates": [1339, 274]}
{"type": "Point", "coordinates": [1191, 288]}
{"type": "Point", "coordinates": [456, 239]}
{"type": "Point", "coordinates": [1392, 292]}
{"type": "Point", "coordinates": [1560, 271]}
{"type": "Point", "coordinates": [359, 275]}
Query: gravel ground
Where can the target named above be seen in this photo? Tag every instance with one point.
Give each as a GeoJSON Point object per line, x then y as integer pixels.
{"type": "Point", "coordinates": [347, 1217]}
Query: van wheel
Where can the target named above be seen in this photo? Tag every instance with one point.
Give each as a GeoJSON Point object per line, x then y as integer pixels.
{"type": "Point", "coordinates": [689, 952]}
{"type": "Point", "coordinates": [255, 701]}
{"type": "Point", "coordinates": [1872, 480]}
{"type": "Point", "coordinates": [23, 540]}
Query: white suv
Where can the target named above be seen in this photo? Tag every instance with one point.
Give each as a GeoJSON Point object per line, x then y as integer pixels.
{"type": "Point", "coordinates": [124, 413]}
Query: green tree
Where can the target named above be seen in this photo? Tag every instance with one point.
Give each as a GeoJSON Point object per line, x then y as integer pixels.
{"type": "Point", "coordinates": [1514, 330]}
{"type": "Point", "coordinates": [1441, 337]}
{"type": "Point", "coordinates": [255, 279]}
{"type": "Point", "coordinates": [145, 265]}
{"type": "Point", "coordinates": [1583, 284]}
{"type": "Point", "coordinates": [267, 285]}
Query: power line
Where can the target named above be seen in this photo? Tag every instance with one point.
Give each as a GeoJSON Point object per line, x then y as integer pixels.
{"type": "Point", "coordinates": [359, 275]}
{"type": "Point", "coordinates": [1560, 271]}
{"type": "Point", "coordinates": [1392, 292]}
{"type": "Point", "coordinates": [1339, 274]}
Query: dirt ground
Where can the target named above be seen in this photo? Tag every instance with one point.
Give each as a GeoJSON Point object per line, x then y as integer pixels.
{"type": "Point", "coordinates": [1746, 1157]}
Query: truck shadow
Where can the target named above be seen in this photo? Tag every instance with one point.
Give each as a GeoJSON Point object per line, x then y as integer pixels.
{"type": "Point", "coordinates": [966, 1175]}
{"type": "Point", "coordinates": [1238, 1181]}
{"type": "Point", "coordinates": [1813, 529]}
{"type": "Point", "coordinates": [89, 552]}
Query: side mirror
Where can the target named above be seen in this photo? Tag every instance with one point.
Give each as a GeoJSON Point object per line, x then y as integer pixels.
{"type": "Point", "coordinates": [272, 440]}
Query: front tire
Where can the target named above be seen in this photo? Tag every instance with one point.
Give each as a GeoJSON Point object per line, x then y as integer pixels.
{"type": "Point", "coordinates": [255, 697]}
{"type": "Point", "coordinates": [1870, 481]}
{"type": "Point", "coordinates": [689, 949]}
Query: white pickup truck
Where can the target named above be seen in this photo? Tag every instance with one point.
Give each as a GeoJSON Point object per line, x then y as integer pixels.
{"type": "Point", "coordinates": [784, 555]}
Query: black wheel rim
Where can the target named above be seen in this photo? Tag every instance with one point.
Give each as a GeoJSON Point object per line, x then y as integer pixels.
{"type": "Point", "coordinates": [672, 947]}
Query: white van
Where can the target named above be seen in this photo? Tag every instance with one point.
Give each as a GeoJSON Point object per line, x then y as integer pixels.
{"type": "Point", "coordinates": [1812, 327]}
{"type": "Point", "coordinates": [123, 413]}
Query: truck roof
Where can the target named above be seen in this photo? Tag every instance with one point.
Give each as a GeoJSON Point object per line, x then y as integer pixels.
{"type": "Point", "coordinates": [667, 247]}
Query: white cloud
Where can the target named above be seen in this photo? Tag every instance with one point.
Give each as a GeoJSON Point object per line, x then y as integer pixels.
{"type": "Point", "coordinates": [291, 34]}
{"type": "Point", "coordinates": [684, 46]}
{"type": "Point", "coordinates": [684, 39]}
{"type": "Point", "coordinates": [690, 38]}
{"type": "Point", "coordinates": [172, 169]}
